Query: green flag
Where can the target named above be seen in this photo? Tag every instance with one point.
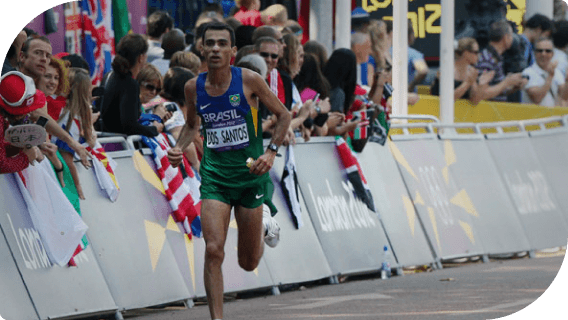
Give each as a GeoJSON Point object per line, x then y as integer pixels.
{"type": "Point", "coordinates": [120, 21]}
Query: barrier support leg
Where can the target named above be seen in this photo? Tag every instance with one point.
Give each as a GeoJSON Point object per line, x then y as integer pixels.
{"type": "Point", "coordinates": [532, 254]}
{"type": "Point", "coordinates": [118, 315]}
{"type": "Point", "coordinates": [333, 279]}
{"type": "Point", "coordinates": [438, 265]}
{"type": "Point", "coordinates": [188, 303]}
{"type": "Point", "coordinates": [399, 271]}
{"type": "Point", "coordinates": [485, 258]}
{"type": "Point", "coordinates": [275, 291]}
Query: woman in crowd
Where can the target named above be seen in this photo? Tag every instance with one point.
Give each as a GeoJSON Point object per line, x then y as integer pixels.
{"type": "Point", "coordinates": [150, 80]}
{"type": "Point", "coordinates": [379, 44]}
{"type": "Point", "coordinates": [249, 14]}
{"type": "Point", "coordinates": [293, 57]}
{"type": "Point", "coordinates": [18, 97]}
{"type": "Point", "coordinates": [318, 50]}
{"type": "Point", "coordinates": [341, 72]}
{"type": "Point", "coordinates": [310, 80]}
{"type": "Point", "coordinates": [186, 60]}
{"type": "Point", "coordinates": [121, 103]}
{"type": "Point", "coordinates": [76, 120]}
{"type": "Point", "coordinates": [466, 82]}
{"type": "Point", "coordinates": [55, 86]}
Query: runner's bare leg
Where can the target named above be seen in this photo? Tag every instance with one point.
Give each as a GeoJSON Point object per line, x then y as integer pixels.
{"type": "Point", "coordinates": [215, 217]}
{"type": "Point", "coordinates": [251, 236]}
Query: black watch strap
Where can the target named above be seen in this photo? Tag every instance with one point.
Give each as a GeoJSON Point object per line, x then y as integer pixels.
{"type": "Point", "coordinates": [273, 147]}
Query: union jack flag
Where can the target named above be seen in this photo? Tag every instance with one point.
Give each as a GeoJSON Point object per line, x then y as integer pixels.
{"type": "Point", "coordinates": [98, 34]}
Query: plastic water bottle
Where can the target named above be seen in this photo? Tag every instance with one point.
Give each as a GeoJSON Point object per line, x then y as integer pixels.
{"type": "Point", "coordinates": [386, 266]}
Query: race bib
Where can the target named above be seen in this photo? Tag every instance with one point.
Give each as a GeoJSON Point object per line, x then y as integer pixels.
{"type": "Point", "coordinates": [232, 135]}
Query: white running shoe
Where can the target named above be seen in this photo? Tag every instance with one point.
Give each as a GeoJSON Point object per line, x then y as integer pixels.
{"type": "Point", "coordinates": [271, 227]}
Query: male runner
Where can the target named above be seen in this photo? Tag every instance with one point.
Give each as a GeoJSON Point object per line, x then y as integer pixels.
{"type": "Point", "coordinates": [226, 99]}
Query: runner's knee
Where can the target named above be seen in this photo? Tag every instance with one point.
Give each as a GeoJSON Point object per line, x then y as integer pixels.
{"type": "Point", "coordinates": [215, 252]}
{"type": "Point", "coordinates": [248, 263]}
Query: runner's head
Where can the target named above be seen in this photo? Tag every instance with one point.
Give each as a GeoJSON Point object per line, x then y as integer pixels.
{"type": "Point", "coordinates": [218, 45]}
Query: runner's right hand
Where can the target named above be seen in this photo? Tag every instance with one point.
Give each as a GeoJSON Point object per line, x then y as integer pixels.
{"type": "Point", "coordinates": [175, 156]}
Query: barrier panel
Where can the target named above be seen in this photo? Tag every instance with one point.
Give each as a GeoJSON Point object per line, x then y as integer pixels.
{"type": "Point", "coordinates": [55, 291]}
{"type": "Point", "coordinates": [409, 243]}
{"type": "Point", "coordinates": [435, 195]}
{"type": "Point", "coordinates": [485, 111]}
{"type": "Point", "coordinates": [15, 302]}
{"type": "Point", "coordinates": [350, 234]}
{"type": "Point", "coordinates": [299, 256]}
{"type": "Point", "coordinates": [551, 147]}
{"type": "Point", "coordinates": [528, 187]}
{"type": "Point", "coordinates": [130, 243]}
{"type": "Point", "coordinates": [482, 192]}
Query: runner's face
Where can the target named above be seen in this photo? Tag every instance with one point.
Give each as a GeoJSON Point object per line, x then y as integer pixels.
{"type": "Point", "coordinates": [217, 48]}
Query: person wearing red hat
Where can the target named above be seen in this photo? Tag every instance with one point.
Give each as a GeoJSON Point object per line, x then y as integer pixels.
{"type": "Point", "coordinates": [18, 97]}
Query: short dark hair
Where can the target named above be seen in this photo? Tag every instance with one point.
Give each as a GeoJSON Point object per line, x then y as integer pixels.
{"type": "Point", "coordinates": [499, 29]}
{"type": "Point", "coordinates": [539, 21]}
{"type": "Point", "coordinates": [172, 42]}
{"type": "Point", "coordinates": [219, 26]}
{"type": "Point", "coordinates": [264, 31]}
{"type": "Point", "coordinates": [29, 40]}
{"type": "Point", "coordinates": [77, 61]}
{"type": "Point", "coordinates": [174, 83]}
{"type": "Point", "coordinates": [262, 40]}
{"type": "Point", "coordinates": [560, 35]}
{"type": "Point", "coordinates": [158, 22]}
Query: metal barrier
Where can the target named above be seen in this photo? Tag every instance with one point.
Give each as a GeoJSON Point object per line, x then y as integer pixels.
{"type": "Point", "coordinates": [439, 194]}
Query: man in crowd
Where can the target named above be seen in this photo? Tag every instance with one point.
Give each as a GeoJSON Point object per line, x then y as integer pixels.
{"type": "Point", "coordinates": [11, 62]}
{"type": "Point", "coordinates": [361, 46]}
{"type": "Point", "coordinates": [159, 23]}
{"type": "Point", "coordinates": [268, 31]}
{"type": "Point", "coordinates": [546, 85]}
{"type": "Point", "coordinates": [491, 59]}
{"type": "Point", "coordinates": [172, 42]}
{"type": "Point", "coordinates": [417, 67]}
{"type": "Point", "coordinates": [227, 182]}
{"type": "Point", "coordinates": [279, 82]}
{"type": "Point", "coordinates": [538, 26]}
{"type": "Point", "coordinates": [34, 59]}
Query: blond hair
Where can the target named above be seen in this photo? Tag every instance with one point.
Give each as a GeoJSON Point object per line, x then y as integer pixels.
{"type": "Point", "coordinates": [464, 44]}
{"type": "Point", "coordinates": [277, 13]}
{"type": "Point", "coordinates": [79, 101]}
{"type": "Point", "coordinates": [186, 60]}
{"type": "Point", "coordinates": [378, 37]}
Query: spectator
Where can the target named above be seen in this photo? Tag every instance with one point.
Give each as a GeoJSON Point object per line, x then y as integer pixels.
{"type": "Point", "coordinates": [243, 36]}
{"type": "Point", "coordinates": [360, 19]}
{"type": "Point", "coordinates": [159, 23]}
{"type": "Point", "coordinates": [76, 61]}
{"type": "Point", "coordinates": [546, 85]}
{"type": "Point", "coordinates": [243, 52]}
{"type": "Point", "coordinates": [379, 44]}
{"type": "Point", "coordinates": [233, 23]}
{"type": "Point", "coordinates": [257, 62]}
{"type": "Point", "coordinates": [466, 82]}
{"type": "Point", "coordinates": [208, 17]}
{"type": "Point", "coordinates": [173, 92]}
{"type": "Point", "coordinates": [268, 31]}
{"type": "Point", "coordinates": [341, 72]}
{"type": "Point", "coordinates": [560, 40]}
{"type": "Point", "coordinates": [150, 80]}
{"type": "Point", "coordinates": [318, 50]}
{"type": "Point", "coordinates": [279, 82]}
{"type": "Point", "coordinates": [121, 103]}
{"type": "Point", "coordinates": [55, 86]}
{"type": "Point", "coordinates": [417, 67]}
{"type": "Point", "coordinates": [173, 41]}
{"type": "Point", "coordinates": [293, 57]}
{"type": "Point", "coordinates": [310, 80]}
{"type": "Point", "coordinates": [34, 59]}
{"type": "Point", "coordinates": [361, 46]}
{"type": "Point", "coordinates": [490, 59]}
{"type": "Point", "coordinates": [18, 97]}
{"type": "Point", "coordinates": [538, 26]}
{"type": "Point", "coordinates": [186, 60]}
{"type": "Point", "coordinates": [76, 120]}
{"type": "Point", "coordinates": [249, 14]}
{"type": "Point", "coordinates": [295, 28]}
{"type": "Point", "coordinates": [275, 15]}
{"type": "Point", "coordinates": [11, 61]}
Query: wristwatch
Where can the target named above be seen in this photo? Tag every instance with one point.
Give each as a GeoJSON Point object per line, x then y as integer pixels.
{"type": "Point", "coordinates": [273, 147]}
{"type": "Point", "coordinates": [318, 109]}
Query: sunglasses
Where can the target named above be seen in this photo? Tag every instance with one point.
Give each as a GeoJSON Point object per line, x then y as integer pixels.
{"type": "Point", "coordinates": [151, 87]}
{"type": "Point", "coordinates": [543, 50]}
{"type": "Point", "coordinates": [274, 56]}
{"type": "Point", "coordinates": [474, 51]}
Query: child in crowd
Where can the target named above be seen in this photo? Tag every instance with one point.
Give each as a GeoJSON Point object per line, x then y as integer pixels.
{"type": "Point", "coordinates": [76, 120]}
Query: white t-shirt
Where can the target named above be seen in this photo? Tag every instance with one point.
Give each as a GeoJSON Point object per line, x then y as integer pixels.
{"type": "Point", "coordinates": [537, 78]}
{"type": "Point", "coordinates": [162, 64]}
{"type": "Point", "coordinates": [562, 59]}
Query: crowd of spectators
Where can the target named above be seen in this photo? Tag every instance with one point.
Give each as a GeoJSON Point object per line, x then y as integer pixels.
{"type": "Point", "coordinates": [324, 91]}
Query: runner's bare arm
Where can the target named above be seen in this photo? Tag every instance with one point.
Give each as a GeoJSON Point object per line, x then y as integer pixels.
{"type": "Point", "coordinates": [260, 89]}
{"type": "Point", "coordinates": [270, 100]}
{"type": "Point", "coordinates": [191, 127]}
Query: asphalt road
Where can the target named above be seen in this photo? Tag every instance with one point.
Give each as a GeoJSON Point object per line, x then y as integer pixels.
{"type": "Point", "coordinates": [461, 291]}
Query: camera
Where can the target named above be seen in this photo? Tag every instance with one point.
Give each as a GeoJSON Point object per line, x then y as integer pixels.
{"type": "Point", "coordinates": [171, 107]}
